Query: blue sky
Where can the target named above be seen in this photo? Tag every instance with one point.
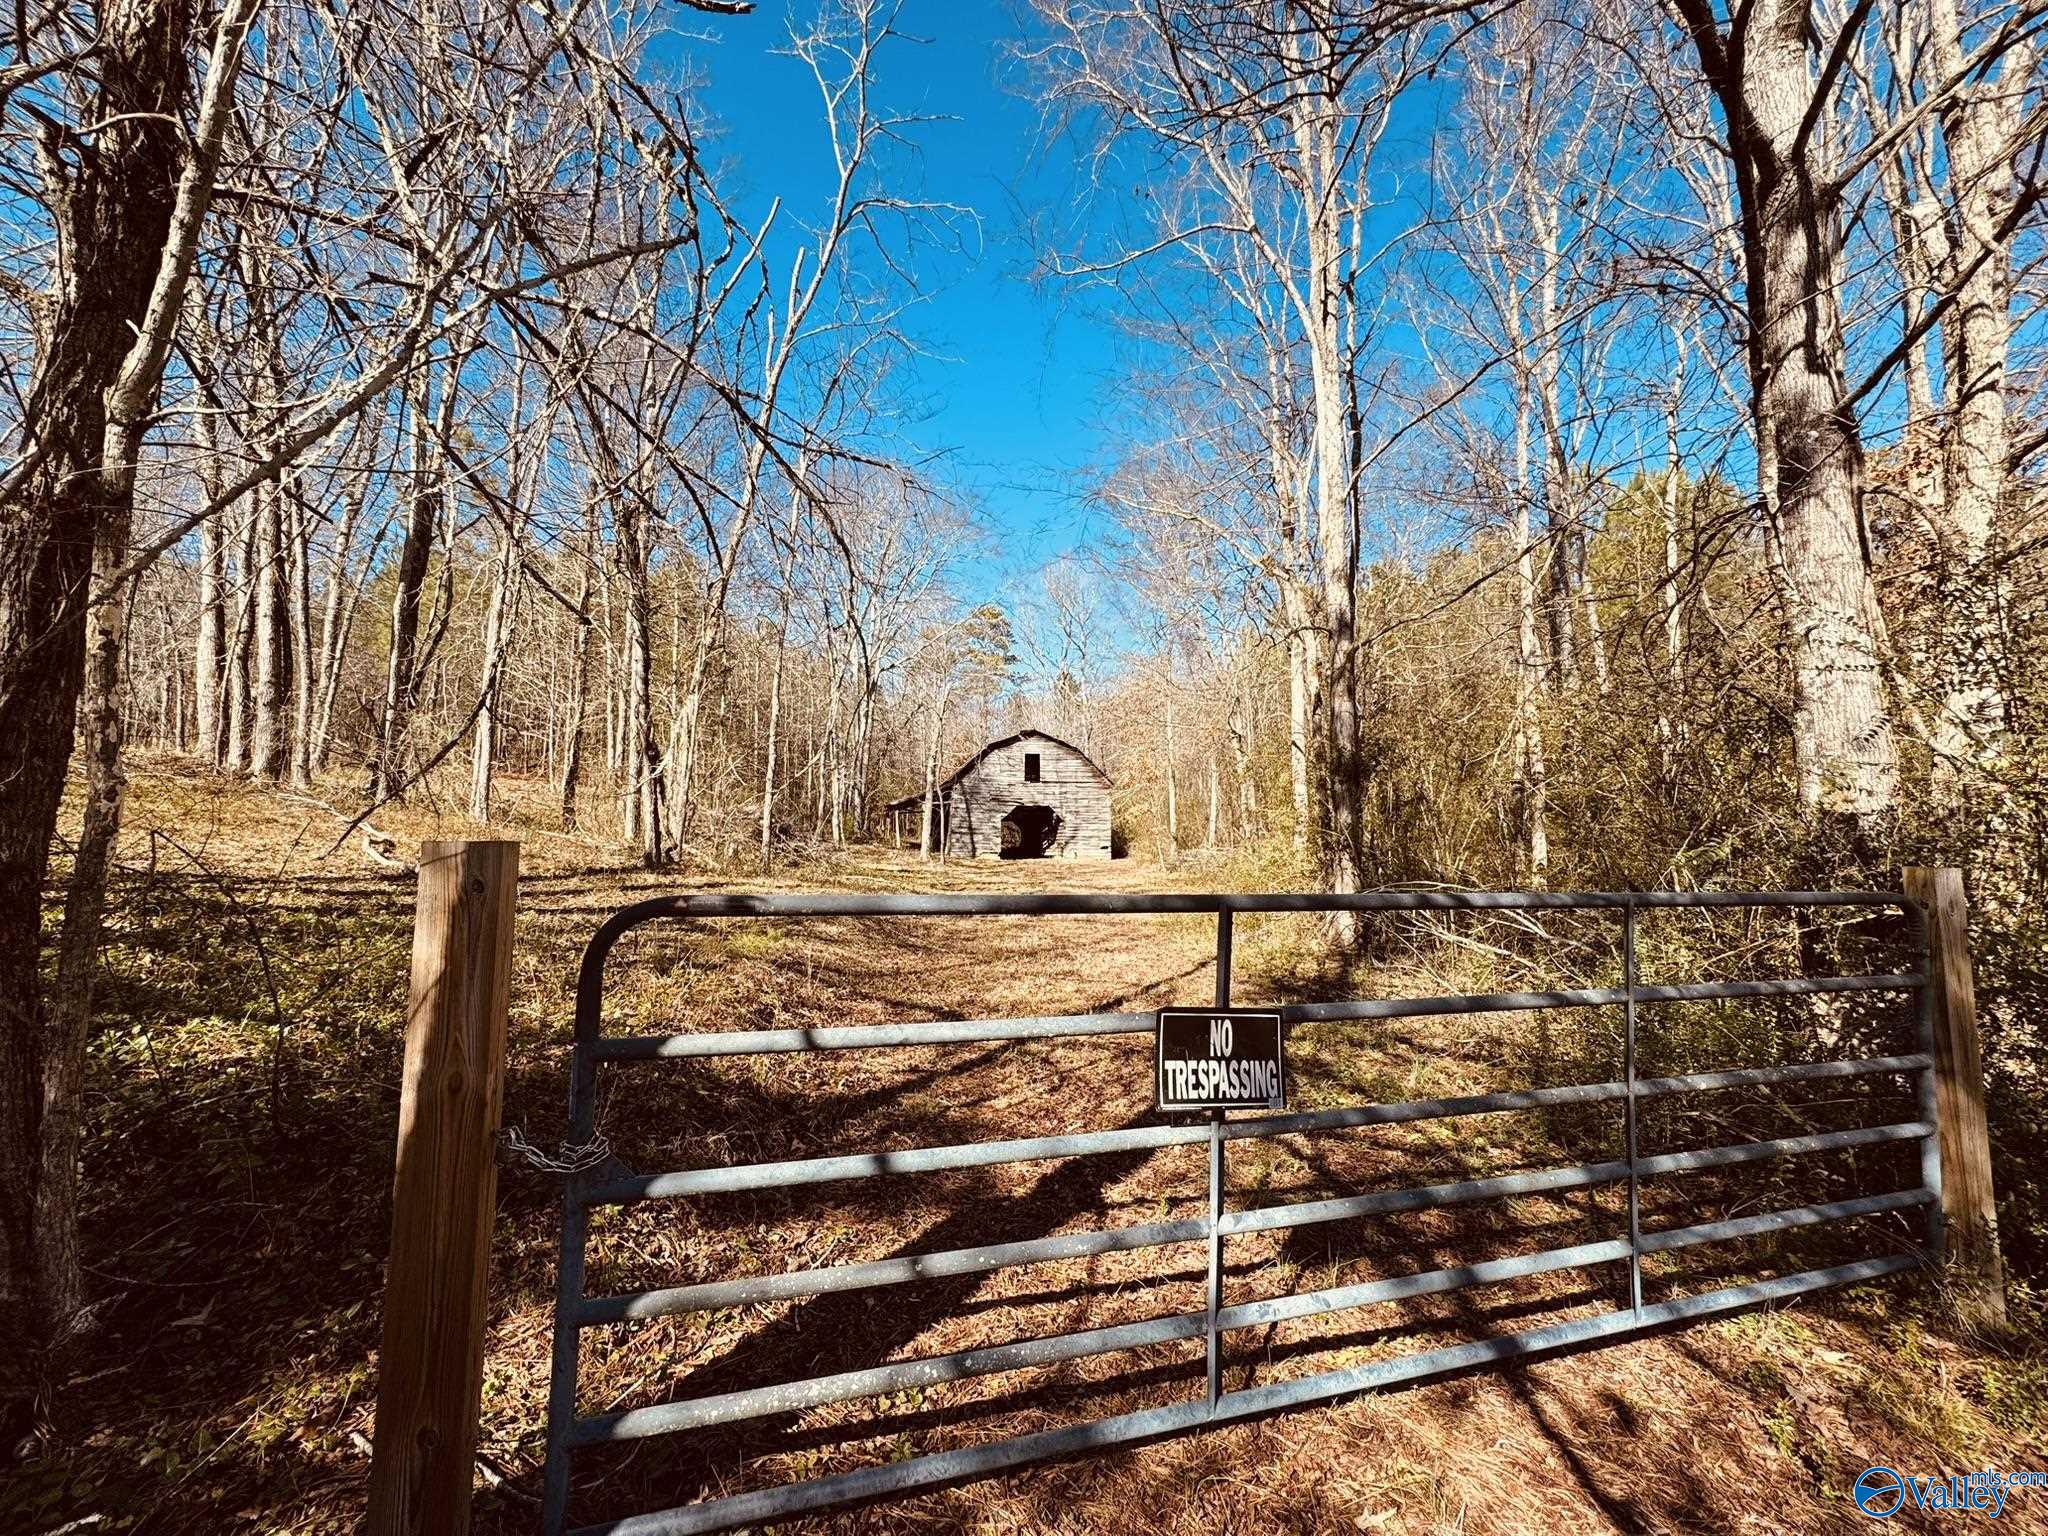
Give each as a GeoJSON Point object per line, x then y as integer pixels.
{"type": "Point", "coordinates": [1015, 385]}
{"type": "Point", "coordinates": [1012, 385]}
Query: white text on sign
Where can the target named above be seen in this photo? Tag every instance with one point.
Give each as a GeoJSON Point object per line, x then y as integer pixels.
{"type": "Point", "coordinates": [1220, 1058]}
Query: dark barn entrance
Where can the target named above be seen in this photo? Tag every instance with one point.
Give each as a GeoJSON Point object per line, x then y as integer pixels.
{"type": "Point", "coordinates": [1029, 830]}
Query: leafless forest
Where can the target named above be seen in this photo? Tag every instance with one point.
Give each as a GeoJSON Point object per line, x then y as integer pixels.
{"type": "Point", "coordinates": [1557, 444]}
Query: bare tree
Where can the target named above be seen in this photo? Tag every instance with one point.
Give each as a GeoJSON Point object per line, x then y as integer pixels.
{"type": "Point", "coordinates": [129, 134]}
{"type": "Point", "coordinates": [126, 205]}
{"type": "Point", "coordinates": [1273, 114]}
{"type": "Point", "coordinates": [1985, 127]}
{"type": "Point", "coordinates": [1774, 100]}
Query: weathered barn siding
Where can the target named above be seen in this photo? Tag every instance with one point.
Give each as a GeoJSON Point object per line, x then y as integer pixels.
{"type": "Point", "coordinates": [993, 785]}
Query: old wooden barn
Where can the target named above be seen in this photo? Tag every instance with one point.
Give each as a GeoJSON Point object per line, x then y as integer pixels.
{"type": "Point", "coordinates": [1027, 796]}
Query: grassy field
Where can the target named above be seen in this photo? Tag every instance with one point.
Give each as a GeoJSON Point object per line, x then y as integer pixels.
{"type": "Point", "coordinates": [244, 1097]}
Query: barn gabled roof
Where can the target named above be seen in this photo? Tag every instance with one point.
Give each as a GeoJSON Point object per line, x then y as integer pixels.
{"type": "Point", "coordinates": [996, 746]}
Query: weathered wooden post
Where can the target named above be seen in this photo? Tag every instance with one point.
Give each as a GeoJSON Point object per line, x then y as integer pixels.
{"type": "Point", "coordinates": [1969, 1211]}
{"type": "Point", "coordinates": [430, 1373]}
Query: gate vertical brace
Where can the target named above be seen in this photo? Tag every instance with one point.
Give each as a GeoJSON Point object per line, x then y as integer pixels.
{"type": "Point", "coordinates": [1215, 1353]}
{"type": "Point", "coordinates": [1628, 1069]}
{"type": "Point", "coordinates": [566, 1361]}
{"type": "Point", "coordinates": [567, 1351]}
{"type": "Point", "coordinates": [1928, 1095]}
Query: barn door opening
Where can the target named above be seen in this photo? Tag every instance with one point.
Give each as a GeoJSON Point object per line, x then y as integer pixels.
{"type": "Point", "coordinates": [1029, 830]}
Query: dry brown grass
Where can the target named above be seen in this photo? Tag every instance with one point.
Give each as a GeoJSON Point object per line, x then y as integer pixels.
{"type": "Point", "coordinates": [240, 1218]}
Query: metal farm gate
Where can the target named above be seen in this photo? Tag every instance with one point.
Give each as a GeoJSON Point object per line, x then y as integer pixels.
{"type": "Point", "coordinates": [592, 1189]}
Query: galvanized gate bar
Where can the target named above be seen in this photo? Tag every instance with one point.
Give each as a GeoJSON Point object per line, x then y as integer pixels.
{"type": "Point", "coordinates": [1552, 1180]}
{"type": "Point", "coordinates": [868, 1165]}
{"type": "Point", "coordinates": [1092, 904]}
{"type": "Point", "coordinates": [793, 1284]}
{"type": "Point", "coordinates": [863, 1037]}
{"type": "Point", "coordinates": [759, 1290]}
{"type": "Point", "coordinates": [737, 1178]}
{"type": "Point", "coordinates": [575, 1311]}
{"type": "Point", "coordinates": [1586, 997]}
{"type": "Point", "coordinates": [988, 1360]}
{"type": "Point", "coordinates": [842, 1386]}
{"type": "Point", "coordinates": [868, 1037]}
{"type": "Point", "coordinates": [1798, 1072]}
{"type": "Point", "coordinates": [1781, 1221]}
{"type": "Point", "coordinates": [944, 1468]}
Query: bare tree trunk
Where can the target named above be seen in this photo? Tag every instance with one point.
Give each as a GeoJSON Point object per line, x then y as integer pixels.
{"type": "Point", "coordinates": [622, 740]}
{"type": "Point", "coordinates": [1845, 759]}
{"type": "Point", "coordinates": [1172, 787]}
{"type": "Point", "coordinates": [1589, 602]}
{"type": "Point", "coordinates": [1315, 140]}
{"type": "Point", "coordinates": [1916, 233]}
{"type": "Point", "coordinates": [864, 740]}
{"type": "Point", "coordinates": [209, 650]}
{"type": "Point", "coordinates": [1294, 606]}
{"type": "Point", "coordinates": [1535, 812]}
{"type": "Point", "coordinates": [1979, 126]}
{"type": "Point", "coordinates": [241, 650]}
{"type": "Point", "coordinates": [1215, 800]}
{"type": "Point", "coordinates": [63, 1082]}
{"type": "Point", "coordinates": [1300, 691]}
{"type": "Point", "coordinates": [415, 554]}
{"type": "Point", "coordinates": [502, 614]}
{"type": "Point", "coordinates": [774, 734]}
{"type": "Point", "coordinates": [1557, 600]}
{"type": "Point", "coordinates": [1842, 730]}
{"type": "Point", "coordinates": [171, 718]}
{"type": "Point", "coordinates": [614, 692]}
{"type": "Point", "coordinates": [932, 832]}
{"type": "Point", "coordinates": [1241, 763]}
{"type": "Point", "coordinates": [300, 538]}
{"type": "Point", "coordinates": [1670, 716]}
{"type": "Point", "coordinates": [835, 797]}
{"type": "Point", "coordinates": [337, 622]}
{"type": "Point", "coordinates": [640, 748]}
{"type": "Point", "coordinates": [685, 728]}
{"type": "Point", "coordinates": [497, 633]}
{"type": "Point", "coordinates": [579, 688]}
{"type": "Point", "coordinates": [644, 760]}
{"type": "Point", "coordinates": [1560, 481]}
{"type": "Point", "coordinates": [267, 739]}
{"type": "Point", "coordinates": [128, 207]}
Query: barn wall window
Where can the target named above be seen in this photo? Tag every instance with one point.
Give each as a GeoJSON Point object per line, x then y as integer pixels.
{"type": "Point", "coordinates": [1030, 767]}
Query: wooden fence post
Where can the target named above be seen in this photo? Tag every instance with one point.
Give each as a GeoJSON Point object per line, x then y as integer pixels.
{"type": "Point", "coordinates": [1969, 1210]}
{"type": "Point", "coordinates": [430, 1372]}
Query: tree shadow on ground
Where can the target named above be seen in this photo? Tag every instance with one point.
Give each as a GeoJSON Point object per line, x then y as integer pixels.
{"type": "Point", "coordinates": [841, 1330]}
